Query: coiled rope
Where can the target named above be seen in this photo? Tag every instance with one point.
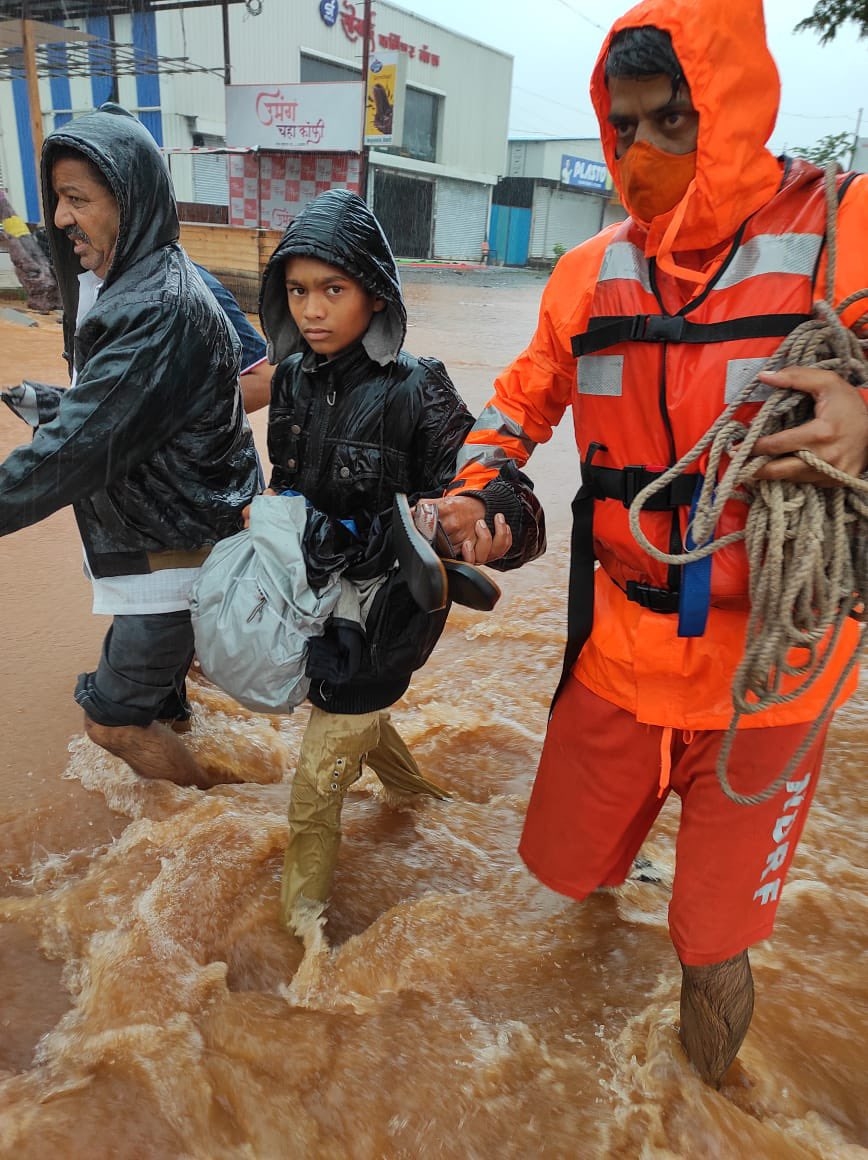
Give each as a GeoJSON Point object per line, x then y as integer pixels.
{"type": "Point", "coordinates": [807, 545]}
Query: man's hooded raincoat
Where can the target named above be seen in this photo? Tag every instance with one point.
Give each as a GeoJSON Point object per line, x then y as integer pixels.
{"type": "Point", "coordinates": [746, 241]}
{"type": "Point", "coordinates": [150, 445]}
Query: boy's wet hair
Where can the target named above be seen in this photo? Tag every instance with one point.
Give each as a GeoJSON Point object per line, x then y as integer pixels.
{"type": "Point", "coordinates": [347, 270]}
{"type": "Point", "coordinates": [643, 52]}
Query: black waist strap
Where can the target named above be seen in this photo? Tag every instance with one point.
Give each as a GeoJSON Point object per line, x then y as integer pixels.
{"type": "Point", "coordinates": [654, 599]}
{"type": "Point", "coordinates": [624, 484]}
{"type": "Point", "coordinates": [580, 603]}
{"type": "Point", "coordinates": [607, 331]}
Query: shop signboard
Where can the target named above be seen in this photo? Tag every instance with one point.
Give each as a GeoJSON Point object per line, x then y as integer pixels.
{"type": "Point", "coordinates": [583, 173]}
{"type": "Point", "coordinates": [318, 118]}
{"type": "Point", "coordinates": [384, 103]}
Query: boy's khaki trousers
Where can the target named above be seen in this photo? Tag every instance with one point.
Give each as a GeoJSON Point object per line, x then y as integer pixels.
{"type": "Point", "coordinates": [334, 749]}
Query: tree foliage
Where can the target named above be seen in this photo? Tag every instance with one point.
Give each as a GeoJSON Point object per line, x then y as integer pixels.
{"type": "Point", "coordinates": [833, 147]}
{"type": "Point", "coordinates": [829, 15]}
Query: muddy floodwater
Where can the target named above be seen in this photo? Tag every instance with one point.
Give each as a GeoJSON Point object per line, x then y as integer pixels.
{"type": "Point", "coordinates": [151, 1008]}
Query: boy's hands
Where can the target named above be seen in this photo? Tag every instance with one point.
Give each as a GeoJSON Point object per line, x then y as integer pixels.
{"type": "Point", "coordinates": [462, 518]}
{"type": "Point", "coordinates": [245, 512]}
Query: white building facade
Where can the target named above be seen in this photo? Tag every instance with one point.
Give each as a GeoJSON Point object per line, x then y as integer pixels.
{"type": "Point", "coordinates": [431, 189]}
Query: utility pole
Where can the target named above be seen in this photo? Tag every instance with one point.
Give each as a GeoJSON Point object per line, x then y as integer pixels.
{"type": "Point", "coordinates": [855, 140]}
{"type": "Point", "coordinates": [227, 63]}
{"type": "Point", "coordinates": [28, 45]}
{"type": "Point", "coordinates": [366, 60]}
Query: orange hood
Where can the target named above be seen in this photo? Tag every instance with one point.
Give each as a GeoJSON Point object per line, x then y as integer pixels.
{"type": "Point", "coordinates": [735, 89]}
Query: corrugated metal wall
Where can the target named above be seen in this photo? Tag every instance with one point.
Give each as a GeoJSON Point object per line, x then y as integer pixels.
{"type": "Point", "coordinates": [211, 174]}
{"type": "Point", "coordinates": [210, 179]}
{"type": "Point", "coordinates": [461, 219]}
{"type": "Point", "coordinates": [562, 217]}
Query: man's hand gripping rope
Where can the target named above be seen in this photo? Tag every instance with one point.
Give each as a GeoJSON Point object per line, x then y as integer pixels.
{"type": "Point", "coordinates": [800, 465]}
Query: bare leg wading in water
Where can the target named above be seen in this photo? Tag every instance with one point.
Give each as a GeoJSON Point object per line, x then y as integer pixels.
{"type": "Point", "coordinates": [154, 752]}
{"type": "Point", "coordinates": [716, 1010]}
{"type": "Point", "coordinates": [135, 703]}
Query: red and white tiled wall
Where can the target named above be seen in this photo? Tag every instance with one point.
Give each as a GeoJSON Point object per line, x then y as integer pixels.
{"type": "Point", "coordinates": [267, 190]}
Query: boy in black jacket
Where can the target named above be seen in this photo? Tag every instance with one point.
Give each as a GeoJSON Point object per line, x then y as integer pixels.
{"type": "Point", "coordinates": [353, 421]}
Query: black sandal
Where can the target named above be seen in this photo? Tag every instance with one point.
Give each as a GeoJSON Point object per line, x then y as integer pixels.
{"type": "Point", "coordinates": [422, 568]}
{"type": "Point", "coordinates": [468, 584]}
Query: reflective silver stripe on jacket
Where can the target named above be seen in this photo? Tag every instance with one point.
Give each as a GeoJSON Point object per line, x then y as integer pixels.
{"type": "Point", "coordinates": [794, 254]}
{"type": "Point", "coordinates": [772, 254]}
{"type": "Point", "coordinates": [600, 374]}
{"type": "Point", "coordinates": [626, 261]}
{"type": "Point", "coordinates": [492, 419]}
{"type": "Point", "coordinates": [739, 372]}
{"type": "Point", "coordinates": [765, 254]}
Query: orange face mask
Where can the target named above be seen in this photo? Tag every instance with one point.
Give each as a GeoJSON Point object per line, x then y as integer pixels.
{"type": "Point", "coordinates": [653, 181]}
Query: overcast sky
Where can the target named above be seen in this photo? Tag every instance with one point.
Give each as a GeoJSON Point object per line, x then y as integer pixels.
{"type": "Point", "coordinates": [555, 42]}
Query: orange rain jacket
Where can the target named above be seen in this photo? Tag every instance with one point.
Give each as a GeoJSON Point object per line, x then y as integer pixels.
{"type": "Point", "coordinates": [749, 234]}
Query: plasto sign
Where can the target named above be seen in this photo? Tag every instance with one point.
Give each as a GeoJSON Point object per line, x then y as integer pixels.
{"type": "Point", "coordinates": [582, 173]}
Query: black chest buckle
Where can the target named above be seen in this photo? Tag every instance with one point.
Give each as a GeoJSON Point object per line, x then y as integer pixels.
{"type": "Point", "coordinates": [660, 328]}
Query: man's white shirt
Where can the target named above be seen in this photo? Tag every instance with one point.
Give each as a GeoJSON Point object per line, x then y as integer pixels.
{"type": "Point", "coordinates": [142, 595]}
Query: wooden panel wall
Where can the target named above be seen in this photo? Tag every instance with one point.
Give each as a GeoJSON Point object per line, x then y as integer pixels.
{"type": "Point", "coordinates": [236, 256]}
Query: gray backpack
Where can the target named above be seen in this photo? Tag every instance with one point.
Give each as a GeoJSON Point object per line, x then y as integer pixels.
{"type": "Point", "coordinates": [253, 611]}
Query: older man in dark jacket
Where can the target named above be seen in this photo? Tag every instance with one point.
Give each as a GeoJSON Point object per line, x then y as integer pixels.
{"type": "Point", "coordinates": [149, 443]}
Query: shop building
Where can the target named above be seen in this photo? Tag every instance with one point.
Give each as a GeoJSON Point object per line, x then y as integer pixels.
{"type": "Point", "coordinates": [556, 193]}
{"type": "Point", "coordinates": [430, 184]}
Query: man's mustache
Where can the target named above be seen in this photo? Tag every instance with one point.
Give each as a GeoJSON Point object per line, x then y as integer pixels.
{"type": "Point", "coordinates": [77, 235]}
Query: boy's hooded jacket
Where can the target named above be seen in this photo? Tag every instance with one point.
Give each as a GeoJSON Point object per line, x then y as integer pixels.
{"type": "Point", "coordinates": [151, 446]}
{"type": "Point", "coordinates": [351, 431]}
{"type": "Point", "coordinates": [646, 331]}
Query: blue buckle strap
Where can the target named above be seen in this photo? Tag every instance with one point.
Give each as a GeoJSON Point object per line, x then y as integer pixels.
{"type": "Point", "coordinates": [695, 597]}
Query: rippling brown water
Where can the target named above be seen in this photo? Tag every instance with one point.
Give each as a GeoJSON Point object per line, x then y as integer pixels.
{"type": "Point", "coordinates": [151, 1007]}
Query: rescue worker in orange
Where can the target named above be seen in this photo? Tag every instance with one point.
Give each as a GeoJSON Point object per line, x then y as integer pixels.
{"type": "Point", "coordinates": [645, 332]}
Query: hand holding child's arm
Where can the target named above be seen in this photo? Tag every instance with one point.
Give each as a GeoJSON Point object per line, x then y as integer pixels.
{"type": "Point", "coordinates": [462, 518]}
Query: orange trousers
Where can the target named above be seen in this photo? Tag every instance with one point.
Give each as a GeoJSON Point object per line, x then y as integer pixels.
{"type": "Point", "coordinates": [599, 788]}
